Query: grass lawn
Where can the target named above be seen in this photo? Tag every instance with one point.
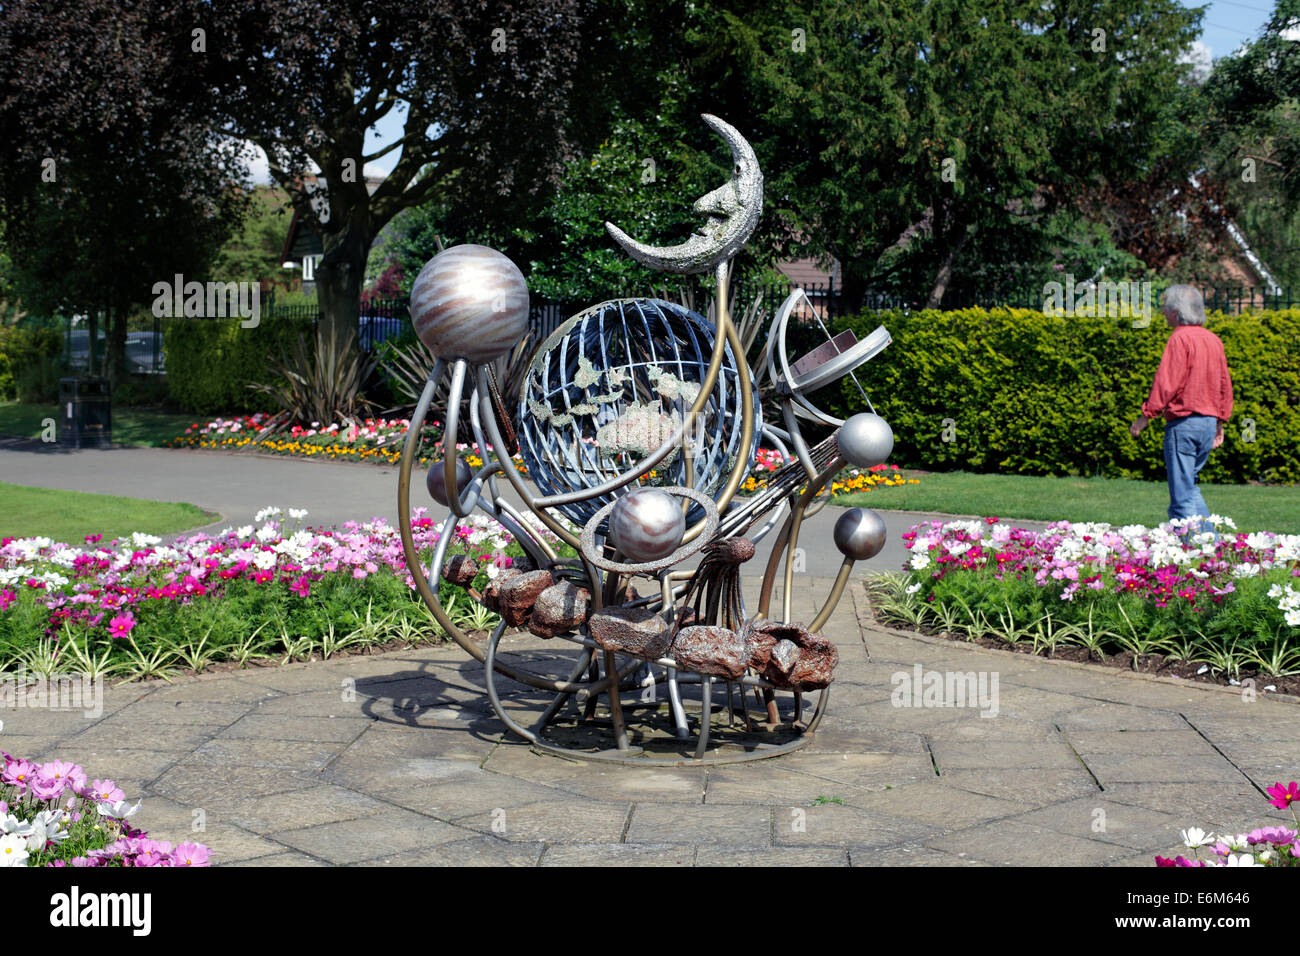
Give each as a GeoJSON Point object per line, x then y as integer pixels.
{"type": "Point", "coordinates": [70, 515]}
{"type": "Point", "coordinates": [131, 426]}
{"type": "Point", "coordinates": [1120, 502]}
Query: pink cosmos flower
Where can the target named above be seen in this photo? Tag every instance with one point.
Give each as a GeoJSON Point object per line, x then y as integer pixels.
{"type": "Point", "coordinates": [1283, 797]}
{"type": "Point", "coordinates": [18, 773]}
{"type": "Point", "coordinates": [121, 625]}
{"type": "Point", "coordinates": [7, 597]}
{"type": "Point", "coordinates": [190, 854]}
{"type": "Point", "coordinates": [104, 791]}
{"type": "Point", "coordinates": [301, 587]}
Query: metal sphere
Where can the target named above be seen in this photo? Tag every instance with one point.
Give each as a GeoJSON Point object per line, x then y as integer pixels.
{"type": "Point", "coordinates": [647, 524]}
{"type": "Point", "coordinates": [860, 534]}
{"type": "Point", "coordinates": [865, 440]}
{"type": "Point", "coordinates": [470, 302]}
{"type": "Point", "coordinates": [436, 480]}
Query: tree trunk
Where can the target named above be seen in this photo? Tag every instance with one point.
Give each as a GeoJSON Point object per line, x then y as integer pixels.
{"type": "Point", "coordinates": [92, 334]}
{"type": "Point", "coordinates": [944, 275]}
{"type": "Point", "coordinates": [115, 353]}
{"type": "Point", "coordinates": [853, 288]}
{"type": "Point", "coordinates": [340, 278]}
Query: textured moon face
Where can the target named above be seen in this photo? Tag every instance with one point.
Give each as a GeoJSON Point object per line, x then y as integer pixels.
{"type": "Point", "coordinates": [435, 481]}
{"type": "Point", "coordinates": [860, 534]}
{"type": "Point", "coordinates": [469, 302]}
{"type": "Point", "coordinates": [733, 211]}
{"type": "Point", "coordinates": [865, 440]}
{"type": "Point", "coordinates": [647, 524]}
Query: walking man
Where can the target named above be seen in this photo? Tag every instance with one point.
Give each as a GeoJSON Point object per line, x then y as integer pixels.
{"type": "Point", "coordinates": [1193, 390]}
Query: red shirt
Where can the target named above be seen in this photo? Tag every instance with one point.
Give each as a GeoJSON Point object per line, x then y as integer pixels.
{"type": "Point", "coordinates": [1192, 378]}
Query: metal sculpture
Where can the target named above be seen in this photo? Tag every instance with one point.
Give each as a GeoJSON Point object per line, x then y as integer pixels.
{"type": "Point", "coordinates": [639, 421]}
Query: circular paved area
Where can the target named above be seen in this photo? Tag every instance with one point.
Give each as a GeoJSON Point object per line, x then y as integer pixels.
{"type": "Point", "coordinates": [397, 759]}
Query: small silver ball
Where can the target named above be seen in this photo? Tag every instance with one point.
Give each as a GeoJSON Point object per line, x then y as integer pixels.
{"type": "Point", "coordinates": [647, 524]}
{"type": "Point", "coordinates": [860, 534]}
{"type": "Point", "coordinates": [865, 440]}
{"type": "Point", "coordinates": [436, 482]}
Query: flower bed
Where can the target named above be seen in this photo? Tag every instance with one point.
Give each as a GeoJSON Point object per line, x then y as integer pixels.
{"type": "Point", "coordinates": [138, 608]}
{"type": "Point", "coordinates": [847, 482]}
{"type": "Point", "coordinates": [1213, 603]}
{"type": "Point", "coordinates": [1265, 846]}
{"type": "Point", "coordinates": [380, 440]}
{"type": "Point", "coordinates": [51, 815]}
{"type": "Point", "coordinates": [374, 439]}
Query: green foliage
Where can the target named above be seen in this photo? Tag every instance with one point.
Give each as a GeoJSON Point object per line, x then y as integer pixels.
{"type": "Point", "coordinates": [319, 378]}
{"type": "Point", "coordinates": [211, 362]}
{"type": "Point", "coordinates": [30, 363]}
{"type": "Point", "coordinates": [1022, 392]}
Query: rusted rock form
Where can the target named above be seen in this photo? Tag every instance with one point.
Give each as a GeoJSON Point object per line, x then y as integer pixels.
{"type": "Point", "coordinates": [460, 570]}
{"type": "Point", "coordinates": [712, 650]}
{"type": "Point", "coordinates": [635, 631]}
{"type": "Point", "coordinates": [791, 656]}
{"type": "Point", "coordinates": [560, 608]}
{"type": "Point", "coordinates": [520, 593]}
{"type": "Point", "coordinates": [492, 593]}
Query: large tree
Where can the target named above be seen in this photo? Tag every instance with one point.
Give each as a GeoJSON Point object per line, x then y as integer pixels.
{"type": "Point", "coordinates": [909, 135]}
{"type": "Point", "coordinates": [109, 178]}
{"type": "Point", "coordinates": [483, 85]}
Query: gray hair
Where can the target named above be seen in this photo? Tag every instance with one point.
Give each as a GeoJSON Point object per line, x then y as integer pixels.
{"type": "Point", "coordinates": [1186, 303]}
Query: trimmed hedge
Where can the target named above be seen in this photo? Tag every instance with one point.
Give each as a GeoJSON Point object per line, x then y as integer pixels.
{"type": "Point", "coordinates": [210, 362]}
{"type": "Point", "coordinates": [1039, 394]}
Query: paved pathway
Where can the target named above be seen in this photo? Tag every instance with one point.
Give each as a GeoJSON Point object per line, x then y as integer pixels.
{"type": "Point", "coordinates": [1080, 766]}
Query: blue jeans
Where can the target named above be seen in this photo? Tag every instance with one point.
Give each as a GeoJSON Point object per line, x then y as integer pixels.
{"type": "Point", "coordinates": [1187, 447]}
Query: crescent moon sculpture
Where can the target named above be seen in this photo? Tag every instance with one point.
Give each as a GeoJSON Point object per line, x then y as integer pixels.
{"type": "Point", "coordinates": [733, 210]}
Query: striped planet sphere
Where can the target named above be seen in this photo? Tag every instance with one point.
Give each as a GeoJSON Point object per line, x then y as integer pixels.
{"type": "Point", "coordinates": [470, 302]}
{"type": "Point", "coordinates": [647, 524]}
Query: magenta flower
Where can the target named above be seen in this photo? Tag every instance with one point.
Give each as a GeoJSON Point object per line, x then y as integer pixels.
{"type": "Point", "coordinates": [121, 625]}
{"type": "Point", "coordinates": [301, 587]}
{"type": "Point", "coordinates": [1282, 796]}
{"type": "Point", "coordinates": [7, 597]}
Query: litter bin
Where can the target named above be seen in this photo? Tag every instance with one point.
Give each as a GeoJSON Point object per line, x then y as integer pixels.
{"type": "Point", "coordinates": [86, 412]}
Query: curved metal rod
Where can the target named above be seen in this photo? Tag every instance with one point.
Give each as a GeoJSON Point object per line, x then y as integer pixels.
{"type": "Point", "coordinates": [429, 593]}
{"type": "Point", "coordinates": [789, 538]}
{"type": "Point", "coordinates": [797, 515]}
{"type": "Point", "coordinates": [449, 459]}
{"type": "Point", "coordinates": [727, 330]}
{"type": "Point", "coordinates": [837, 592]}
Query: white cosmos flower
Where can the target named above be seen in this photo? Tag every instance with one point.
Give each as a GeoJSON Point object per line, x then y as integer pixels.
{"type": "Point", "coordinates": [11, 824]}
{"type": "Point", "coordinates": [266, 533]}
{"type": "Point", "coordinates": [297, 513]}
{"type": "Point", "coordinates": [1292, 618]}
{"type": "Point", "coordinates": [1244, 859]}
{"type": "Point", "coordinates": [120, 810]}
{"type": "Point", "coordinates": [243, 531]}
{"type": "Point", "coordinates": [265, 513]}
{"type": "Point", "coordinates": [1196, 837]}
{"type": "Point", "coordinates": [49, 826]}
{"type": "Point", "coordinates": [264, 560]}
{"type": "Point", "coordinates": [914, 588]}
{"type": "Point", "coordinates": [141, 540]}
{"type": "Point", "coordinates": [1246, 570]}
{"type": "Point", "coordinates": [920, 562]}
{"type": "Point", "coordinates": [13, 850]}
